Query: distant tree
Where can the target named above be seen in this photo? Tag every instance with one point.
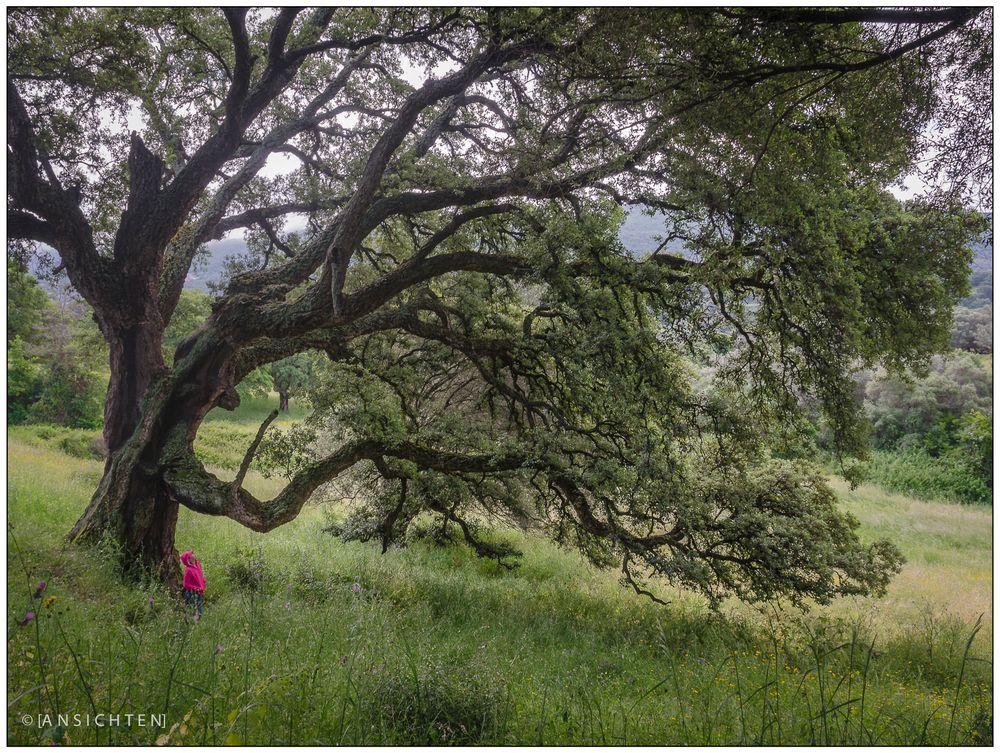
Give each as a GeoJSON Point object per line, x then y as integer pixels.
{"type": "Point", "coordinates": [926, 411]}
{"type": "Point", "coordinates": [24, 381]}
{"type": "Point", "coordinates": [52, 351]}
{"type": "Point", "coordinates": [496, 350]}
{"type": "Point", "coordinates": [291, 376]}
{"type": "Point", "coordinates": [26, 305]}
{"type": "Point", "coordinates": [973, 329]}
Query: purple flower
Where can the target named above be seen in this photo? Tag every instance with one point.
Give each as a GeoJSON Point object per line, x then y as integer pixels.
{"type": "Point", "coordinates": [38, 589]}
{"type": "Point", "coordinates": [28, 617]}
{"type": "Point", "coordinates": [356, 587]}
{"type": "Point", "coordinates": [218, 649]}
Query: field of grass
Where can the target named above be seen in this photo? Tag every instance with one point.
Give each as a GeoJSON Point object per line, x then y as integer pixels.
{"type": "Point", "coordinates": [308, 640]}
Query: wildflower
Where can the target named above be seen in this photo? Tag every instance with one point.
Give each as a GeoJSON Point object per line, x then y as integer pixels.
{"type": "Point", "coordinates": [288, 605]}
{"type": "Point", "coordinates": [218, 649]}
{"type": "Point", "coordinates": [356, 587]}
{"type": "Point", "coordinates": [28, 617]}
{"type": "Point", "coordinates": [150, 602]}
{"type": "Point", "coordinates": [47, 601]}
{"type": "Point", "coordinates": [343, 660]}
{"type": "Point", "coordinates": [39, 588]}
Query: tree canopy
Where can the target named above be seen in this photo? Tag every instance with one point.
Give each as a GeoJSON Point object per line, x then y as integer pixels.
{"type": "Point", "coordinates": [444, 231]}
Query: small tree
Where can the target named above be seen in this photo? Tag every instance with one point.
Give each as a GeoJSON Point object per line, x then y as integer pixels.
{"type": "Point", "coordinates": [291, 375]}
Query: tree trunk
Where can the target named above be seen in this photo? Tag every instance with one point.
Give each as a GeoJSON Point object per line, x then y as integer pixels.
{"type": "Point", "coordinates": [283, 401]}
{"type": "Point", "coordinates": [147, 407]}
{"type": "Point", "coordinates": [136, 357]}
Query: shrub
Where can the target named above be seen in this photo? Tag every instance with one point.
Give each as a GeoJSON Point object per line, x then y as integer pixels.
{"type": "Point", "coordinates": [434, 703]}
{"type": "Point", "coordinates": [249, 572]}
{"type": "Point", "coordinates": [917, 473]}
{"type": "Point", "coordinates": [86, 444]}
{"type": "Point", "coordinates": [69, 396]}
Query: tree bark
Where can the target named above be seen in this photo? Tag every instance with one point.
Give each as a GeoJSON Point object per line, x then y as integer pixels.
{"type": "Point", "coordinates": [149, 407]}
{"type": "Point", "coordinates": [283, 401]}
{"type": "Point", "coordinates": [136, 357]}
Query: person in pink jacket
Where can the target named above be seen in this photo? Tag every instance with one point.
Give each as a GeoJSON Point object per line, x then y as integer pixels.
{"type": "Point", "coordinates": [194, 582]}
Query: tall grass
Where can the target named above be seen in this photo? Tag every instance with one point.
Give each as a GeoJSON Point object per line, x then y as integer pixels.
{"type": "Point", "coordinates": [307, 640]}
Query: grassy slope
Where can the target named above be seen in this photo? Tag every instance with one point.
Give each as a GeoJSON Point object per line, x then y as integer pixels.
{"type": "Point", "coordinates": [440, 646]}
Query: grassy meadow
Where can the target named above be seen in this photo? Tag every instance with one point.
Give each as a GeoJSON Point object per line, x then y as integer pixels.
{"type": "Point", "coordinates": [309, 640]}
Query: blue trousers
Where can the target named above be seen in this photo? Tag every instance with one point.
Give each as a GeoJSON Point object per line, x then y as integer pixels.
{"type": "Point", "coordinates": [193, 599]}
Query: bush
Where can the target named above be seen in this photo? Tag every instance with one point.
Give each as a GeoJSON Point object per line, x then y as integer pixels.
{"type": "Point", "coordinates": [80, 443]}
{"type": "Point", "coordinates": [70, 396]}
{"type": "Point", "coordinates": [917, 473]}
{"type": "Point", "coordinates": [434, 703]}
{"type": "Point", "coordinates": [24, 382]}
{"type": "Point", "coordinates": [249, 572]}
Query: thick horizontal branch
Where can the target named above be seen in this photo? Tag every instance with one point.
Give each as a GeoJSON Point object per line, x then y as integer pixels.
{"type": "Point", "coordinates": [203, 492]}
{"type": "Point", "coordinates": [24, 226]}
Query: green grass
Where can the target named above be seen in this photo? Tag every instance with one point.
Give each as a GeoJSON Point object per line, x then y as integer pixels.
{"type": "Point", "coordinates": [253, 410]}
{"type": "Point", "coordinates": [441, 647]}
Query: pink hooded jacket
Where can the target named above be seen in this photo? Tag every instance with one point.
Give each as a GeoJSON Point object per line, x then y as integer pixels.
{"type": "Point", "coordinates": [194, 578]}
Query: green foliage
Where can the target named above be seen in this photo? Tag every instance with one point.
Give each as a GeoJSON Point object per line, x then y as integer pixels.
{"type": "Point", "coordinates": [255, 384]}
{"type": "Point", "coordinates": [934, 432]}
{"type": "Point", "coordinates": [973, 329]}
{"type": "Point", "coordinates": [52, 353]}
{"type": "Point", "coordinates": [70, 396]}
{"type": "Point", "coordinates": [905, 412]}
{"type": "Point", "coordinates": [975, 444]}
{"type": "Point", "coordinates": [24, 381]}
{"type": "Point", "coordinates": [293, 375]}
{"type": "Point", "coordinates": [952, 476]}
{"type": "Point", "coordinates": [26, 305]}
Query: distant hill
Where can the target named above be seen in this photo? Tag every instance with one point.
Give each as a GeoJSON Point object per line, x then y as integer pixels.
{"type": "Point", "coordinates": [639, 231]}
{"type": "Point", "coordinates": [208, 267]}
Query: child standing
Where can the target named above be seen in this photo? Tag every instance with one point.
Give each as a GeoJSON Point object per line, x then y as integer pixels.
{"type": "Point", "coordinates": [194, 582]}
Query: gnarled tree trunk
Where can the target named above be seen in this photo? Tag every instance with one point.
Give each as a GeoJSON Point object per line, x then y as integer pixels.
{"type": "Point", "coordinates": [148, 407]}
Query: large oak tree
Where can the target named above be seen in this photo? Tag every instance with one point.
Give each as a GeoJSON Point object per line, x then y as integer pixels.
{"type": "Point", "coordinates": [492, 348]}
